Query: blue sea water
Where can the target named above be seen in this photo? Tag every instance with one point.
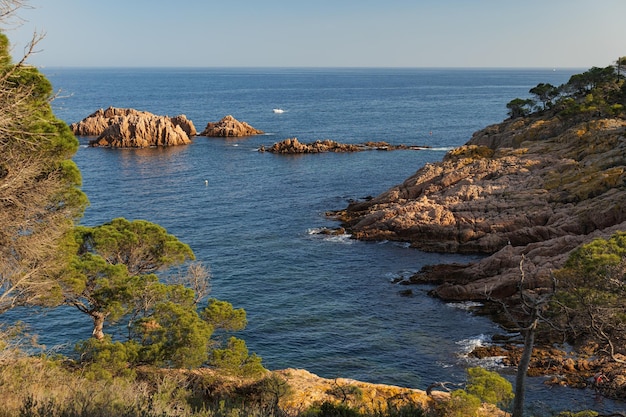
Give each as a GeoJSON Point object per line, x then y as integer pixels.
{"type": "Point", "coordinates": [323, 303]}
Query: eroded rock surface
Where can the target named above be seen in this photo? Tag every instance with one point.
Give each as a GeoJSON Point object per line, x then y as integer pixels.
{"type": "Point", "coordinates": [537, 187]}
{"type": "Point", "coordinates": [228, 126]}
{"type": "Point", "coordinates": [294, 146]}
{"type": "Point", "coordinates": [130, 128]}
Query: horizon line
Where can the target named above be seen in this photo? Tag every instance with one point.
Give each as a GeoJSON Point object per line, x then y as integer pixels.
{"type": "Point", "coordinates": [551, 68]}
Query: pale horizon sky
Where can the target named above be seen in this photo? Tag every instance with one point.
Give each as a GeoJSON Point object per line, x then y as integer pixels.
{"type": "Point", "coordinates": [323, 33]}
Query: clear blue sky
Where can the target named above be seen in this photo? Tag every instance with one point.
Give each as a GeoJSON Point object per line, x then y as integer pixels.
{"type": "Point", "coordinates": [325, 33]}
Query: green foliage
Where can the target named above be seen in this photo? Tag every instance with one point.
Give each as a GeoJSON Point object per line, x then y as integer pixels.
{"type": "Point", "coordinates": [599, 257]}
{"type": "Point", "coordinates": [40, 196]}
{"type": "Point", "coordinates": [470, 152]}
{"type": "Point", "coordinates": [336, 410]}
{"type": "Point", "coordinates": [591, 301]}
{"type": "Point", "coordinates": [103, 359]}
{"type": "Point", "coordinates": [95, 285]}
{"type": "Point", "coordinates": [142, 246]}
{"type": "Point", "coordinates": [482, 386]}
{"type": "Point", "coordinates": [595, 92]}
{"type": "Point", "coordinates": [461, 404]}
{"type": "Point", "coordinates": [174, 336]}
{"type": "Point", "coordinates": [112, 279]}
{"type": "Point", "coordinates": [520, 107]}
{"type": "Point", "coordinates": [586, 413]}
{"type": "Point", "coordinates": [221, 315]}
{"type": "Point", "coordinates": [234, 359]}
{"type": "Point", "coordinates": [545, 93]}
{"type": "Point", "coordinates": [489, 386]}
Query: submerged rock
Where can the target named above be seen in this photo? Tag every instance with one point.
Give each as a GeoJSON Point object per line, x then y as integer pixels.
{"type": "Point", "coordinates": [228, 126]}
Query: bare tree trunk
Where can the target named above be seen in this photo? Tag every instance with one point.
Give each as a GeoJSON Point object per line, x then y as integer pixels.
{"type": "Point", "coordinates": [98, 324]}
{"type": "Point", "coordinates": [522, 369]}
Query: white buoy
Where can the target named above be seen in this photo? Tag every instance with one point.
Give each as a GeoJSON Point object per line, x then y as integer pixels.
{"type": "Point", "coordinates": [206, 182]}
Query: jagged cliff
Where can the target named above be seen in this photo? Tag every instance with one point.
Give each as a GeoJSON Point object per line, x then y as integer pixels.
{"type": "Point", "coordinates": [536, 186]}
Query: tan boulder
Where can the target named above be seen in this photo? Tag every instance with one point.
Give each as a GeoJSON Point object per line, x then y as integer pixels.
{"type": "Point", "coordinates": [141, 131]}
{"type": "Point", "coordinates": [228, 126]}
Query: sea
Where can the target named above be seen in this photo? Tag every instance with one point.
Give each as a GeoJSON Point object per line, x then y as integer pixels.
{"type": "Point", "coordinates": [328, 304]}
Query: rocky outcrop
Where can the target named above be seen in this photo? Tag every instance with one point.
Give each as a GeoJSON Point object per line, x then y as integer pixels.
{"type": "Point", "coordinates": [97, 122]}
{"type": "Point", "coordinates": [537, 187]}
{"type": "Point", "coordinates": [185, 124]}
{"type": "Point", "coordinates": [129, 128]}
{"type": "Point", "coordinates": [306, 390]}
{"type": "Point", "coordinates": [141, 132]}
{"type": "Point", "coordinates": [229, 127]}
{"type": "Point", "coordinates": [294, 146]}
{"type": "Point", "coordinates": [309, 389]}
{"type": "Point", "coordinates": [559, 367]}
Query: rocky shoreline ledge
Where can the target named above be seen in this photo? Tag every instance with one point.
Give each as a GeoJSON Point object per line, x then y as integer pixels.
{"type": "Point", "coordinates": [298, 389]}
{"type": "Point", "coordinates": [293, 146]}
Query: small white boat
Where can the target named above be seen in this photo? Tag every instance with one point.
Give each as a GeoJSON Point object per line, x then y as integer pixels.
{"type": "Point", "coordinates": [278, 110]}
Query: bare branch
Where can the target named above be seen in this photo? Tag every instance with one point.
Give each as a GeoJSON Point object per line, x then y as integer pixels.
{"type": "Point", "coordinates": [198, 278]}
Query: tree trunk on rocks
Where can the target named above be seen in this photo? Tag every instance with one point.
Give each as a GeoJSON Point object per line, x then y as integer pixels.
{"type": "Point", "coordinates": [522, 368]}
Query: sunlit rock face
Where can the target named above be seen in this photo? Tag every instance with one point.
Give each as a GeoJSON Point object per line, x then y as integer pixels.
{"type": "Point", "coordinates": [537, 187]}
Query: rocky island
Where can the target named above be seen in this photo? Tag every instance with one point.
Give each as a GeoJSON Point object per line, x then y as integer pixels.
{"type": "Point", "coordinates": [228, 126]}
{"type": "Point", "coordinates": [294, 146]}
{"type": "Point", "coordinates": [130, 128]}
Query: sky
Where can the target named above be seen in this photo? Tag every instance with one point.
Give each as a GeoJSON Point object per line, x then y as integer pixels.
{"type": "Point", "coordinates": [322, 33]}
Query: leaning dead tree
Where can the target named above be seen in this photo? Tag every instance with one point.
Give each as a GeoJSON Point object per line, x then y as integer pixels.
{"type": "Point", "coordinates": [524, 314]}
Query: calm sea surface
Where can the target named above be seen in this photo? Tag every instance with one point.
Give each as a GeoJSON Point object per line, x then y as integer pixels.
{"type": "Point", "coordinates": [322, 303]}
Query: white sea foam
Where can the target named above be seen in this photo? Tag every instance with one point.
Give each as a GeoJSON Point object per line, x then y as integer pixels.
{"type": "Point", "coordinates": [400, 276]}
{"type": "Point", "coordinates": [465, 305]}
{"type": "Point", "coordinates": [468, 345]}
{"type": "Point", "coordinates": [442, 149]}
{"type": "Point", "coordinates": [326, 234]}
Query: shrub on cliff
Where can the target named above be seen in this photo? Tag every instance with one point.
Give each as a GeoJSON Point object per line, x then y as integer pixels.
{"type": "Point", "coordinates": [597, 91]}
{"type": "Point", "coordinates": [482, 386]}
{"type": "Point", "coordinates": [591, 303]}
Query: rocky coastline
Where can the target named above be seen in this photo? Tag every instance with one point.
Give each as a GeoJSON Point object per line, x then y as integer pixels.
{"type": "Point", "coordinates": [532, 188]}
{"type": "Point", "coordinates": [537, 187]}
